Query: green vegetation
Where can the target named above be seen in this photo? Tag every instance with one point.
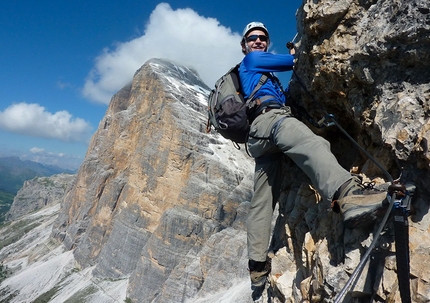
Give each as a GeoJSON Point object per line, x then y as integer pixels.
{"type": "Point", "coordinates": [7, 295]}
{"type": "Point", "coordinates": [45, 182]}
{"type": "Point", "coordinates": [47, 296]}
{"type": "Point", "coordinates": [5, 292]}
{"type": "Point", "coordinates": [6, 200]}
{"type": "Point", "coordinates": [4, 273]}
{"type": "Point", "coordinates": [82, 295]}
{"type": "Point", "coordinates": [17, 231]}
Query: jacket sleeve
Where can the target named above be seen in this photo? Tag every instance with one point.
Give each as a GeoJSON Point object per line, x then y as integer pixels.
{"type": "Point", "coordinates": [268, 62]}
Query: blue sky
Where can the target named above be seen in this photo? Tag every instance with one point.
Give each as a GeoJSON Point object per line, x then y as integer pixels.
{"type": "Point", "coordinates": [61, 61]}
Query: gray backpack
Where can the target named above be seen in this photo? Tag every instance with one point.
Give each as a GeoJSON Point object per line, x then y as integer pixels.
{"type": "Point", "coordinates": [227, 108]}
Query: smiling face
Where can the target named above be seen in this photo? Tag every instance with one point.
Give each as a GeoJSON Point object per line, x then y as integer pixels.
{"type": "Point", "coordinates": [255, 41]}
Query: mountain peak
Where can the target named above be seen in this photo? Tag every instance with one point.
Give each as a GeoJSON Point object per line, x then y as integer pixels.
{"type": "Point", "coordinates": [177, 72]}
{"type": "Point", "coordinates": [152, 167]}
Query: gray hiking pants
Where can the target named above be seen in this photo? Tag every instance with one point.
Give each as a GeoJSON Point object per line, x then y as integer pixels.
{"type": "Point", "coordinates": [271, 134]}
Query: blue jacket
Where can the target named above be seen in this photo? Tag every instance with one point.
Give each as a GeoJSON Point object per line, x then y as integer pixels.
{"type": "Point", "coordinates": [256, 63]}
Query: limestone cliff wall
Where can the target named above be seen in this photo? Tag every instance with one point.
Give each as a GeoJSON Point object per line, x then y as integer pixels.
{"type": "Point", "coordinates": [367, 63]}
{"type": "Point", "coordinates": [154, 187]}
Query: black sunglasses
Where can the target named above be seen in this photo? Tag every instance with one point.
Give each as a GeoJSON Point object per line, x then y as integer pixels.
{"type": "Point", "coordinates": [253, 38]}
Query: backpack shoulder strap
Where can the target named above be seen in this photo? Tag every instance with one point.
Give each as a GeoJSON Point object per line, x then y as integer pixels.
{"type": "Point", "coordinates": [260, 83]}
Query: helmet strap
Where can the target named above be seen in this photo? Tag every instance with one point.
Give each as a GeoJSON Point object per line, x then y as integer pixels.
{"type": "Point", "coordinates": [247, 48]}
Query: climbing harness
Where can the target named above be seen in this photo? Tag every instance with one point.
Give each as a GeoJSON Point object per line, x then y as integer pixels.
{"type": "Point", "coordinates": [399, 197]}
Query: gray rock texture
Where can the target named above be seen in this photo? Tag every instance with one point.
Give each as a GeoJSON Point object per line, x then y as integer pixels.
{"type": "Point", "coordinates": [367, 63]}
{"type": "Point", "coordinates": [38, 193]}
{"type": "Point", "coordinates": [154, 187]}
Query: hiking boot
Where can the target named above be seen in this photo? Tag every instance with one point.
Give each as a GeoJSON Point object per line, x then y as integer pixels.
{"type": "Point", "coordinates": [358, 203]}
{"type": "Point", "coordinates": [258, 272]}
{"type": "Point", "coordinates": [260, 294]}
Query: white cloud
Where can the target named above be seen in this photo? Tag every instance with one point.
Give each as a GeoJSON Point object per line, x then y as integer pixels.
{"type": "Point", "coordinates": [63, 85]}
{"type": "Point", "coordinates": [36, 150]}
{"type": "Point", "coordinates": [179, 35]}
{"type": "Point", "coordinates": [33, 120]}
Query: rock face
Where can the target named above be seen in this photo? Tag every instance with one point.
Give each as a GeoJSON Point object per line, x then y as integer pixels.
{"type": "Point", "coordinates": [368, 64]}
{"type": "Point", "coordinates": [154, 187]}
{"type": "Point", "coordinates": [159, 206]}
{"type": "Point", "coordinates": [38, 193]}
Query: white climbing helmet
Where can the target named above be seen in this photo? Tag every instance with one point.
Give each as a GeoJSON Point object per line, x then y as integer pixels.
{"type": "Point", "coordinates": [252, 26]}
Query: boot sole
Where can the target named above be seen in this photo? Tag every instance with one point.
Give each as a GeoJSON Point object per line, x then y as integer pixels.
{"type": "Point", "coordinates": [363, 219]}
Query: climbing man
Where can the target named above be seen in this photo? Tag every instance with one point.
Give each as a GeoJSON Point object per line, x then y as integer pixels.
{"type": "Point", "coordinates": [275, 132]}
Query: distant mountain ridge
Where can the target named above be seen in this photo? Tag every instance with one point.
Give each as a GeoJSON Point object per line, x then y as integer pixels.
{"type": "Point", "coordinates": [14, 171]}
